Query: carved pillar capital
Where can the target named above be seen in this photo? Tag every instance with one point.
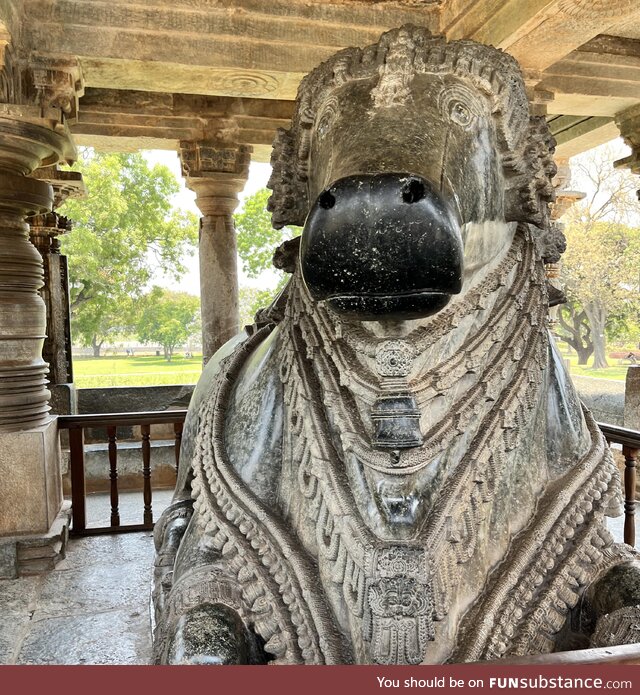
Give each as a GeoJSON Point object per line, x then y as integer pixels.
{"type": "Point", "coordinates": [216, 172]}
{"type": "Point", "coordinates": [565, 195]}
{"type": "Point", "coordinates": [628, 123]}
{"type": "Point", "coordinates": [46, 229]}
{"type": "Point", "coordinates": [65, 184]}
{"type": "Point", "coordinates": [51, 84]}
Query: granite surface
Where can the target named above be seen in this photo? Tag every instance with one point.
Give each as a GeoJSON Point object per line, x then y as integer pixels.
{"type": "Point", "coordinates": [94, 607]}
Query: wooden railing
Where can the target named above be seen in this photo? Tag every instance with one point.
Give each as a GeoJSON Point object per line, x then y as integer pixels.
{"type": "Point", "coordinates": [76, 424]}
{"type": "Point", "coordinates": [630, 441]}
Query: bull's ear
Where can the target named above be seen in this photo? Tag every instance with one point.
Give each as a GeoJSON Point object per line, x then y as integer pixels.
{"type": "Point", "coordinates": [288, 203]}
{"type": "Point", "coordinates": [528, 170]}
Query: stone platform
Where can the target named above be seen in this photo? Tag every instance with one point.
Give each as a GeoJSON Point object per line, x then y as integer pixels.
{"type": "Point", "coordinates": [94, 607]}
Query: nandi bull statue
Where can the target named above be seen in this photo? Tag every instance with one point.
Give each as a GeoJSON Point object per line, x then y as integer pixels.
{"type": "Point", "coordinates": [392, 466]}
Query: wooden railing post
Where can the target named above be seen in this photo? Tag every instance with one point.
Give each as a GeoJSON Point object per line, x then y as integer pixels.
{"type": "Point", "coordinates": [111, 421]}
{"type": "Point", "coordinates": [630, 457]}
{"type": "Point", "coordinates": [78, 492]}
{"type": "Point", "coordinates": [177, 428]}
{"type": "Point", "coordinates": [146, 473]}
{"type": "Point", "coordinates": [113, 474]}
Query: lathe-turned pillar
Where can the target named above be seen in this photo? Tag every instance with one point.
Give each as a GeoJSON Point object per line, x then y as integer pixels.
{"type": "Point", "coordinates": [217, 173]}
{"type": "Point", "coordinates": [35, 101]}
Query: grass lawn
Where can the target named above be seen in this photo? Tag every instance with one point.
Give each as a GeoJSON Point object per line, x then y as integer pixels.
{"type": "Point", "coordinates": [143, 370]}
{"type": "Point", "coordinates": [615, 371]}
{"type": "Point", "coordinates": [148, 370]}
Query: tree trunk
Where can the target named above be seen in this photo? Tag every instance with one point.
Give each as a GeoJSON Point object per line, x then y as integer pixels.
{"type": "Point", "coordinates": [97, 346]}
{"type": "Point", "coordinates": [584, 353]}
{"type": "Point", "coordinates": [576, 331]}
{"type": "Point", "coordinates": [597, 315]}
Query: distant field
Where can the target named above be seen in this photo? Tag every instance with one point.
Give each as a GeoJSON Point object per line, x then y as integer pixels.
{"type": "Point", "coordinates": [91, 372]}
{"type": "Point", "coordinates": [96, 372]}
{"type": "Point", "coordinates": [615, 371]}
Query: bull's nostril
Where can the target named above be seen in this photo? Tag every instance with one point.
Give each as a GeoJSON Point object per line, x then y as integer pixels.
{"type": "Point", "coordinates": [327, 200]}
{"type": "Point", "coordinates": [413, 191]}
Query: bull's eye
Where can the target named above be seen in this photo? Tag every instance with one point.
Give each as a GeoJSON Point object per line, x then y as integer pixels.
{"type": "Point", "coordinates": [327, 116]}
{"type": "Point", "coordinates": [460, 105]}
{"type": "Point", "coordinates": [460, 114]}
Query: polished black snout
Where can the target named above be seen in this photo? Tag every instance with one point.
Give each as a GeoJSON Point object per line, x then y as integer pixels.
{"type": "Point", "coordinates": [382, 246]}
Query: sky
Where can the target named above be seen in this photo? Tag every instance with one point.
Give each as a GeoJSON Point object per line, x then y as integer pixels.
{"type": "Point", "coordinates": [185, 199]}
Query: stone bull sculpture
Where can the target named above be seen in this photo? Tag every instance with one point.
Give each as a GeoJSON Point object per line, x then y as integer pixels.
{"type": "Point", "coordinates": [392, 466]}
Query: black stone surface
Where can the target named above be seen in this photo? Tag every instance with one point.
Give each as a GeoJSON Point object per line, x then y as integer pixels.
{"type": "Point", "coordinates": [382, 245]}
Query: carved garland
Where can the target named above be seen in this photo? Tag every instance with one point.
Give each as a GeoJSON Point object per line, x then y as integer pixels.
{"type": "Point", "coordinates": [277, 584]}
{"type": "Point", "coordinates": [281, 593]}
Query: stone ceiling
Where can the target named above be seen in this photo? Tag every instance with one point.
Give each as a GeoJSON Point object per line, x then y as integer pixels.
{"type": "Point", "coordinates": [159, 71]}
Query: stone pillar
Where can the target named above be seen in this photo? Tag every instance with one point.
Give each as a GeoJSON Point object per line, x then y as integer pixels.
{"type": "Point", "coordinates": [632, 398]}
{"type": "Point", "coordinates": [628, 123]}
{"type": "Point", "coordinates": [565, 198]}
{"type": "Point", "coordinates": [217, 173]}
{"type": "Point", "coordinates": [46, 230]}
{"type": "Point", "coordinates": [33, 133]}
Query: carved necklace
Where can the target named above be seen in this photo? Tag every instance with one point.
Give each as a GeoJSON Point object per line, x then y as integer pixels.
{"type": "Point", "coordinates": [399, 387]}
{"type": "Point", "coordinates": [396, 594]}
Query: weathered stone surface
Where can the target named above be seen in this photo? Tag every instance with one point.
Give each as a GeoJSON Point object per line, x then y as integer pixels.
{"type": "Point", "coordinates": [420, 470]}
{"type": "Point", "coordinates": [632, 398]}
{"type": "Point", "coordinates": [8, 559]}
{"type": "Point", "coordinates": [26, 555]}
{"type": "Point", "coordinates": [73, 615]}
{"type": "Point", "coordinates": [131, 399]}
{"type": "Point", "coordinates": [115, 637]}
{"type": "Point", "coordinates": [30, 484]}
{"type": "Point", "coordinates": [604, 398]}
{"type": "Point", "coordinates": [64, 399]}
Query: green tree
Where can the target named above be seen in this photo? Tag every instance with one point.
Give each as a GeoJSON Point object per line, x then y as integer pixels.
{"type": "Point", "coordinates": [167, 318]}
{"type": "Point", "coordinates": [250, 300]}
{"type": "Point", "coordinates": [574, 329]}
{"type": "Point", "coordinates": [600, 266]}
{"type": "Point", "coordinates": [124, 229]}
{"type": "Point", "coordinates": [257, 241]}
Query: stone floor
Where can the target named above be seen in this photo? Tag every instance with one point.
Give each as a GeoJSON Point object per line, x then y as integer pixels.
{"type": "Point", "coordinates": [94, 608]}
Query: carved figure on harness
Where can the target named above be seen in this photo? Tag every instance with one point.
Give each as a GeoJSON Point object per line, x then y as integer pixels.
{"type": "Point", "coordinates": [392, 466]}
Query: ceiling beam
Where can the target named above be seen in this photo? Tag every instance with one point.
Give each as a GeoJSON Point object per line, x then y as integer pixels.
{"type": "Point", "coordinates": [600, 78]}
{"type": "Point", "coordinates": [246, 48]}
{"type": "Point", "coordinates": [575, 134]}
{"type": "Point", "coordinates": [129, 120]}
{"type": "Point", "coordinates": [538, 33]}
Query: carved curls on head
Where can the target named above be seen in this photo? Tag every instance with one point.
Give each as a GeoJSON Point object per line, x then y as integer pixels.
{"type": "Point", "coordinates": [525, 144]}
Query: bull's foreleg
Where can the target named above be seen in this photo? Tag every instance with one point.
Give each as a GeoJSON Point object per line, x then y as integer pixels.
{"type": "Point", "coordinates": [211, 634]}
{"type": "Point", "coordinates": [615, 599]}
{"type": "Point", "coordinates": [167, 534]}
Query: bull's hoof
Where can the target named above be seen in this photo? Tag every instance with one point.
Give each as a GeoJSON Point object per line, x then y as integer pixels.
{"type": "Point", "coordinates": [211, 635]}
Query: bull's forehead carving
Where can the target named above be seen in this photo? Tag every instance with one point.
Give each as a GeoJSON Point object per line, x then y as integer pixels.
{"type": "Point", "coordinates": [402, 54]}
{"type": "Point", "coordinates": [394, 71]}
